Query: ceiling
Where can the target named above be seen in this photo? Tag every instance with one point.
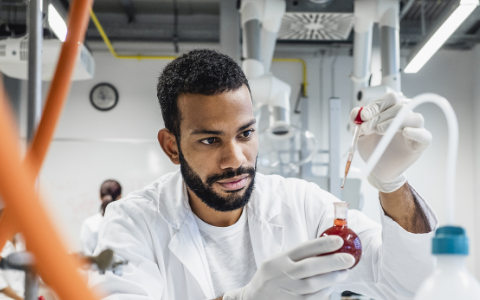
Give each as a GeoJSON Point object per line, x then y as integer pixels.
{"type": "Point", "coordinates": [198, 21]}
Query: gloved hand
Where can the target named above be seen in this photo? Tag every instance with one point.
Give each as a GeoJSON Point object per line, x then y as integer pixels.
{"type": "Point", "coordinates": [404, 149]}
{"type": "Point", "coordinates": [298, 273]}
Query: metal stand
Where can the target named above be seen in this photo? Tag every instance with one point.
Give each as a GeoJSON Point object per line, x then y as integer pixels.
{"type": "Point", "coordinates": [23, 261]}
{"type": "Point", "coordinates": [31, 285]}
{"type": "Point", "coordinates": [35, 36]}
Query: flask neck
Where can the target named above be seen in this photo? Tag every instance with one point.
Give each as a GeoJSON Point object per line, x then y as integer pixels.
{"type": "Point", "coordinates": [340, 222]}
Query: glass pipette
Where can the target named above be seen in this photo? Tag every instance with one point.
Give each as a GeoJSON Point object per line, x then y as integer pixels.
{"type": "Point", "coordinates": [353, 145]}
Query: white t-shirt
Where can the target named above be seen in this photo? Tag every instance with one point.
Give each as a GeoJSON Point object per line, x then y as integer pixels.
{"type": "Point", "coordinates": [89, 233]}
{"type": "Point", "coordinates": [229, 254]}
{"type": "Point", "coordinates": [12, 278]}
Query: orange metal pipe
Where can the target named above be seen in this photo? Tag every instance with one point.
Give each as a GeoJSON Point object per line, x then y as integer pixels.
{"type": "Point", "coordinates": [8, 226]}
{"type": "Point", "coordinates": [60, 86]}
{"type": "Point", "coordinates": [8, 223]}
{"type": "Point", "coordinates": [17, 190]}
{"type": "Point", "coordinates": [17, 181]}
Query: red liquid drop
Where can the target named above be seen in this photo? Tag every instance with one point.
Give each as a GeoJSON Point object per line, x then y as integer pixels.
{"type": "Point", "coordinates": [351, 242]}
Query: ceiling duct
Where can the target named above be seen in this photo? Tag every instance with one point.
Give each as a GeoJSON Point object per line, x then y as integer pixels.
{"type": "Point", "coordinates": [317, 21]}
{"type": "Point", "coordinates": [316, 26]}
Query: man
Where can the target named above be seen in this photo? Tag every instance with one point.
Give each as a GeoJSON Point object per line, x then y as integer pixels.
{"type": "Point", "coordinates": [110, 191]}
{"type": "Point", "coordinates": [217, 229]}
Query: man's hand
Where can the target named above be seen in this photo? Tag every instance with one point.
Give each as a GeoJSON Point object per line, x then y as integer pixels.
{"type": "Point", "coordinates": [404, 149]}
{"type": "Point", "coordinates": [298, 273]}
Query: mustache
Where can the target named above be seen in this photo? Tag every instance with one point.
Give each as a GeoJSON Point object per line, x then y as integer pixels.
{"type": "Point", "coordinates": [230, 174]}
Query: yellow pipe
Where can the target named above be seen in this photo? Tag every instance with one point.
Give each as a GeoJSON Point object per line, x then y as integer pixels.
{"type": "Point", "coordinates": [114, 53]}
{"type": "Point", "coordinates": [304, 67]}
{"type": "Point", "coordinates": [112, 50]}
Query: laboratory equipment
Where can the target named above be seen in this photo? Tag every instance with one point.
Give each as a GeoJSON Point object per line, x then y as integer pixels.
{"type": "Point", "coordinates": [260, 24]}
{"type": "Point", "coordinates": [451, 279]}
{"type": "Point", "coordinates": [351, 242]}
{"type": "Point", "coordinates": [105, 261]}
{"type": "Point", "coordinates": [353, 145]}
{"type": "Point", "coordinates": [14, 64]}
{"type": "Point", "coordinates": [23, 261]}
{"type": "Point", "coordinates": [386, 14]}
{"type": "Point", "coordinates": [286, 156]}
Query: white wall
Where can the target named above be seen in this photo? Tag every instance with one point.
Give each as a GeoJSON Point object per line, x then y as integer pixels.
{"type": "Point", "coordinates": [74, 170]}
{"type": "Point", "coordinates": [476, 151]}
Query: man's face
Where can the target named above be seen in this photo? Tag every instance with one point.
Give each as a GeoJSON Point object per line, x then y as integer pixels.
{"type": "Point", "coordinates": [218, 147]}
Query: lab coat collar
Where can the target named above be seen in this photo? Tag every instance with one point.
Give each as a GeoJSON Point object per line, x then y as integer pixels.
{"type": "Point", "coordinates": [173, 203]}
{"type": "Point", "coordinates": [186, 244]}
{"type": "Point", "coordinates": [173, 206]}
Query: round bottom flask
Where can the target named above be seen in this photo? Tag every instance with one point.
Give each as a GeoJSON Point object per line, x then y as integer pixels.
{"type": "Point", "coordinates": [351, 242]}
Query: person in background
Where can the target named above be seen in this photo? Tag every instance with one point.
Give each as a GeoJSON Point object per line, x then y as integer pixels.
{"type": "Point", "coordinates": [12, 282]}
{"type": "Point", "coordinates": [110, 191]}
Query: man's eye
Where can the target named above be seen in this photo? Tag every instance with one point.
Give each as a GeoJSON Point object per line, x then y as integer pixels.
{"type": "Point", "coordinates": [247, 133]}
{"type": "Point", "coordinates": [208, 141]}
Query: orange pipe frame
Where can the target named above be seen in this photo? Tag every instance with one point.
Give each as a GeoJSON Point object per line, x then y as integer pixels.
{"type": "Point", "coordinates": [17, 179]}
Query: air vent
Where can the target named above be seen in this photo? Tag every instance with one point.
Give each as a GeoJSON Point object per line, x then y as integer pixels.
{"type": "Point", "coordinates": [3, 49]}
{"type": "Point", "coordinates": [315, 26]}
{"type": "Point", "coordinates": [24, 50]}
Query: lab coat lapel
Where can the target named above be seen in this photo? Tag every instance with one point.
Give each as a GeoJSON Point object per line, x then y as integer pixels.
{"type": "Point", "coordinates": [187, 246]}
{"type": "Point", "coordinates": [266, 238]}
{"type": "Point", "coordinates": [265, 235]}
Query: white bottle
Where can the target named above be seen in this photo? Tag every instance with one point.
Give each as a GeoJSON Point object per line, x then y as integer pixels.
{"type": "Point", "coordinates": [450, 279]}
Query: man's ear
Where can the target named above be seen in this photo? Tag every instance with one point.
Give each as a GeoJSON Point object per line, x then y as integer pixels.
{"type": "Point", "coordinates": [168, 142]}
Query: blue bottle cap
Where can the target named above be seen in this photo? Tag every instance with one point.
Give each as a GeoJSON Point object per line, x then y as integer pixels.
{"type": "Point", "coordinates": [450, 240]}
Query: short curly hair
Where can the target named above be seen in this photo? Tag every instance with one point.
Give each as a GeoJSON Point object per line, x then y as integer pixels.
{"type": "Point", "coordinates": [200, 71]}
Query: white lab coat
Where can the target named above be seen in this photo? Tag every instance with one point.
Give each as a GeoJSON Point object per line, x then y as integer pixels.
{"type": "Point", "coordinates": [12, 278]}
{"type": "Point", "coordinates": [89, 233]}
{"type": "Point", "coordinates": [155, 230]}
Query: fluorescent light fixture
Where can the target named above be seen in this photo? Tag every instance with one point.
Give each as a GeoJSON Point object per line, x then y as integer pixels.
{"type": "Point", "coordinates": [56, 22]}
{"type": "Point", "coordinates": [441, 35]}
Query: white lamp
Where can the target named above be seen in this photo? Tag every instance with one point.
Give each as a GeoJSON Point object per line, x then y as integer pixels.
{"type": "Point", "coordinates": [458, 13]}
{"type": "Point", "coordinates": [56, 22]}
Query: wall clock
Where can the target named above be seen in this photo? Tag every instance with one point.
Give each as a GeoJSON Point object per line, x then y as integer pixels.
{"type": "Point", "coordinates": [104, 96]}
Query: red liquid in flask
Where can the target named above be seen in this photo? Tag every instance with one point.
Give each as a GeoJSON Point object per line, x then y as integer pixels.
{"type": "Point", "coordinates": [351, 241]}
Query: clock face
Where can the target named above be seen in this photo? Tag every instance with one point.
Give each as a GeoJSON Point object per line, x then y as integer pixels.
{"type": "Point", "coordinates": [104, 96]}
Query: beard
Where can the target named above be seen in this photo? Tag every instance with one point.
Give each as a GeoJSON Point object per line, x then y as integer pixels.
{"type": "Point", "coordinates": [212, 199]}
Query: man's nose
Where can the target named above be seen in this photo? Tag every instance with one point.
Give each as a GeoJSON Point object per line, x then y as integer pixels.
{"type": "Point", "coordinates": [232, 156]}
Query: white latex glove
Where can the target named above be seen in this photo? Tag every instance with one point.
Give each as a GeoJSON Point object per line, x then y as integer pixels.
{"type": "Point", "coordinates": [298, 273]}
{"type": "Point", "coordinates": [404, 149]}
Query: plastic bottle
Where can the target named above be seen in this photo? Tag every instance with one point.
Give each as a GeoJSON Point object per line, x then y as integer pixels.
{"type": "Point", "coordinates": [351, 241]}
{"type": "Point", "coordinates": [450, 279]}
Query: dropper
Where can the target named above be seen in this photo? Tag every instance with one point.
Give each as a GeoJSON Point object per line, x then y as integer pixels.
{"type": "Point", "coordinates": [353, 145]}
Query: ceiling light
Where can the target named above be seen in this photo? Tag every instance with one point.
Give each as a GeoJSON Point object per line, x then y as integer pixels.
{"type": "Point", "coordinates": [56, 23]}
{"type": "Point", "coordinates": [458, 13]}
